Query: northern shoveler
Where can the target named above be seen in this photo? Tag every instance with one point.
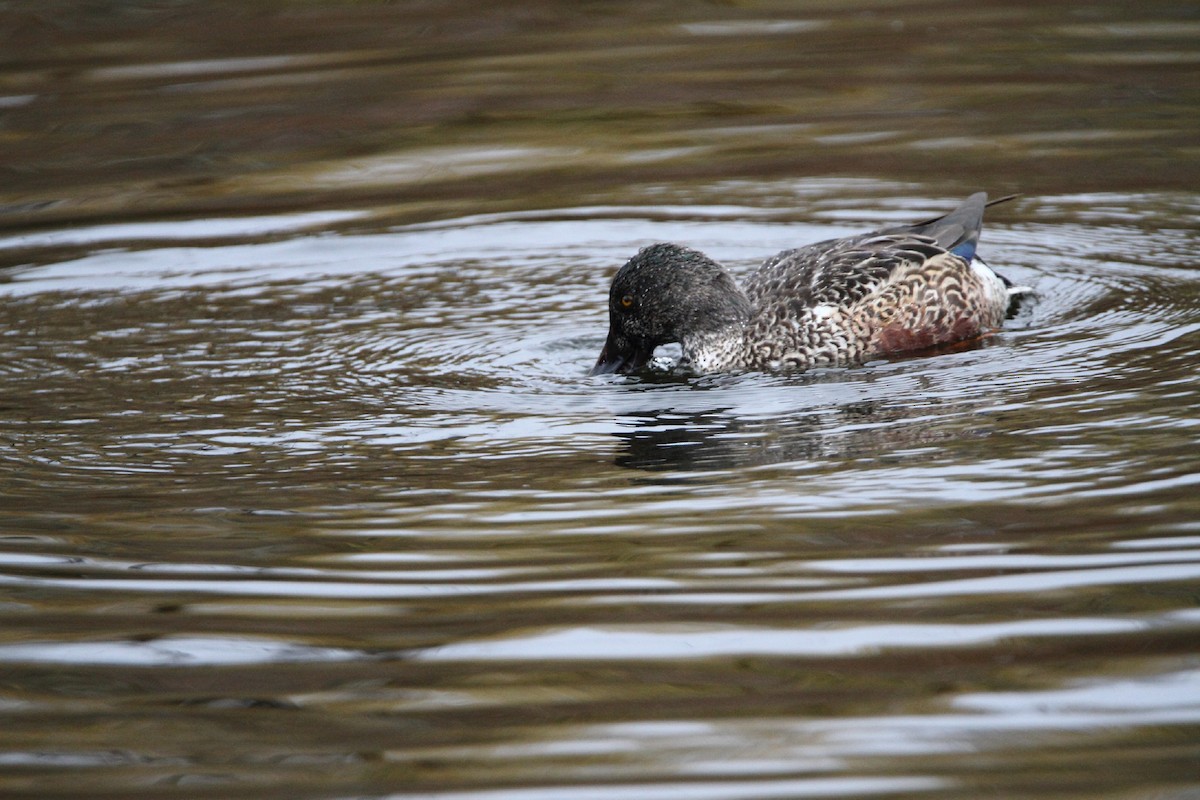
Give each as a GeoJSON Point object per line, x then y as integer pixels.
{"type": "Point", "coordinates": [833, 303]}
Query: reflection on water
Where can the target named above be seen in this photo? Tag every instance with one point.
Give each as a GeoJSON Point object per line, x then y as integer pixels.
{"type": "Point", "coordinates": [363, 479]}
{"type": "Point", "coordinates": [305, 493]}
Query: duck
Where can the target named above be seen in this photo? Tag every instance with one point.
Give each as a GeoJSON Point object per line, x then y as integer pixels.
{"type": "Point", "coordinates": [835, 303]}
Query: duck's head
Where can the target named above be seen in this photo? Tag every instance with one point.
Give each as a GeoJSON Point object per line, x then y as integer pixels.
{"type": "Point", "coordinates": [665, 294]}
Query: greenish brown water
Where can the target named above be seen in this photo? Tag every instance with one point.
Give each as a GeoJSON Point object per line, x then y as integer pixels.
{"type": "Point", "coordinates": [304, 494]}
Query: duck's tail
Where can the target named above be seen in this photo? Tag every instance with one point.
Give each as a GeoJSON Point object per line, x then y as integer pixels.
{"type": "Point", "coordinates": [1016, 294]}
{"type": "Point", "coordinates": [957, 231]}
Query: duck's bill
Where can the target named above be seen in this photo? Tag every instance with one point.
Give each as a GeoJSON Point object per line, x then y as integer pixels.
{"type": "Point", "coordinates": [620, 357]}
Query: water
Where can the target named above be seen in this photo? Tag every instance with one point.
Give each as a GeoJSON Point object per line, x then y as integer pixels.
{"type": "Point", "coordinates": [305, 492]}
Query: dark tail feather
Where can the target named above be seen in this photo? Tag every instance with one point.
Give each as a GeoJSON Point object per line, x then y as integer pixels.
{"type": "Point", "coordinates": [1000, 200]}
{"type": "Point", "coordinates": [957, 231]}
{"type": "Point", "coordinates": [988, 204]}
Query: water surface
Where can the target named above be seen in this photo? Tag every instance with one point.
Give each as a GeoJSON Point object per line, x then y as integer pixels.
{"type": "Point", "coordinates": [305, 492]}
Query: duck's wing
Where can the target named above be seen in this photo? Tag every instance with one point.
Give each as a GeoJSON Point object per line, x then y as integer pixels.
{"type": "Point", "coordinates": [840, 272]}
{"type": "Point", "coordinates": [837, 272]}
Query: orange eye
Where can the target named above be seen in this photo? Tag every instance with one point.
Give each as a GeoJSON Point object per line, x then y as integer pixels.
{"type": "Point", "coordinates": [627, 301]}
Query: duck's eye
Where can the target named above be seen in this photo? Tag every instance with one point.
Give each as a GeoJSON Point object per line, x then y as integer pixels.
{"type": "Point", "coordinates": [627, 301]}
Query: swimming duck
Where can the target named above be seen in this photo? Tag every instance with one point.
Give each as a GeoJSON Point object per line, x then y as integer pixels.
{"type": "Point", "coordinates": [834, 303]}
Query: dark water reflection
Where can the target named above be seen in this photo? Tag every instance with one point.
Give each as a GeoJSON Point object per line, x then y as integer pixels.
{"type": "Point", "coordinates": [304, 493]}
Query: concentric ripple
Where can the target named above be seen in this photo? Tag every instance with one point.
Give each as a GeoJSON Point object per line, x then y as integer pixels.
{"type": "Point", "coordinates": [479, 332]}
{"type": "Point", "coordinates": [371, 462]}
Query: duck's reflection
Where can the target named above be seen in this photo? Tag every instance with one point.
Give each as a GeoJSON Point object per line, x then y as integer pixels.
{"type": "Point", "coordinates": [721, 439]}
{"type": "Point", "coordinates": [717, 439]}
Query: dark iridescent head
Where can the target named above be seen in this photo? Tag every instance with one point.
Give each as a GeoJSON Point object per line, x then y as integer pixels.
{"type": "Point", "coordinates": [664, 294]}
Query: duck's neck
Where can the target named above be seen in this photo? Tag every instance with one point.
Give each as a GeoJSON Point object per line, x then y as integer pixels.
{"type": "Point", "coordinates": [716, 341]}
{"type": "Point", "coordinates": [708, 314]}
{"type": "Point", "coordinates": [716, 349]}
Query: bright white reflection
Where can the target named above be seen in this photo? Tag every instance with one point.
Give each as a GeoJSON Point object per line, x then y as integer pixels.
{"type": "Point", "coordinates": [180, 230]}
{"type": "Point", "coordinates": [181, 651]}
{"type": "Point", "coordinates": [1022, 583]}
{"type": "Point", "coordinates": [733, 747]}
{"type": "Point", "coordinates": [724, 790]}
{"type": "Point", "coordinates": [675, 642]}
{"type": "Point", "coordinates": [996, 561]}
{"type": "Point", "coordinates": [1177, 692]}
{"type": "Point", "coordinates": [412, 250]}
